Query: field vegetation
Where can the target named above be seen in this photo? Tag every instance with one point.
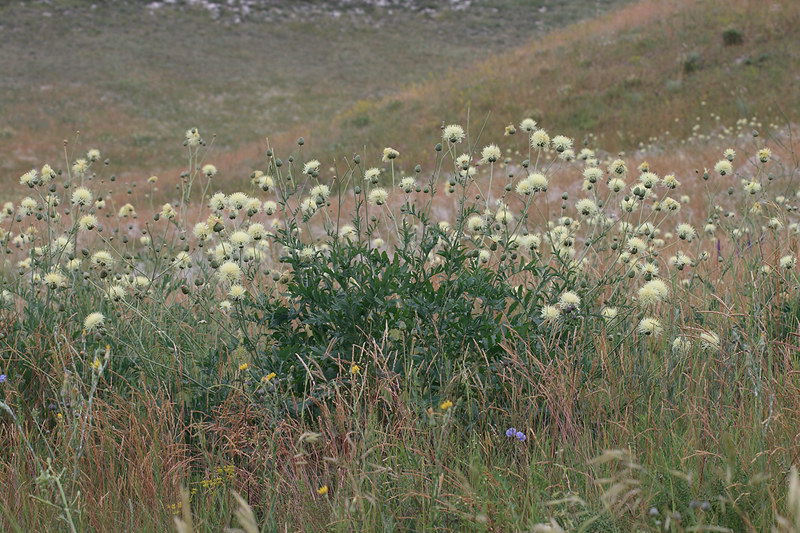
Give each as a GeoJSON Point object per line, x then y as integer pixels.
{"type": "Point", "coordinates": [504, 317]}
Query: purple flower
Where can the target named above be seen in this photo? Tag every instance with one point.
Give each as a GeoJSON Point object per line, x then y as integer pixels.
{"type": "Point", "coordinates": [510, 432]}
{"type": "Point", "coordinates": [3, 378]}
{"type": "Point", "coordinates": [521, 436]}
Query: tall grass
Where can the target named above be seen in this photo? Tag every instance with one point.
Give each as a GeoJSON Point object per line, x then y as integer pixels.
{"type": "Point", "coordinates": [473, 345]}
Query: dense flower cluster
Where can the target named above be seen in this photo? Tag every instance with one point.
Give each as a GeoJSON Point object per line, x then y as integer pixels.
{"type": "Point", "coordinates": [625, 250]}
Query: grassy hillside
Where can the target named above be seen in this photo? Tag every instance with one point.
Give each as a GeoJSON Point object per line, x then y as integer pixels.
{"type": "Point", "coordinates": [133, 78]}
{"type": "Point", "coordinates": [653, 69]}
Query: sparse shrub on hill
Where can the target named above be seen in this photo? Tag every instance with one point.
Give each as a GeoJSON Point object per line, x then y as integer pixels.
{"type": "Point", "coordinates": [732, 37]}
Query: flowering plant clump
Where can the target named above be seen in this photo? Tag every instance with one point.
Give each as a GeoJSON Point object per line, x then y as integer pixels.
{"type": "Point", "coordinates": [477, 257]}
{"type": "Point", "coordinates": [343, 303]}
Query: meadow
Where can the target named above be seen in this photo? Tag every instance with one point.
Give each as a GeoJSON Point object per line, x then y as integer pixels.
{"type": "Point", "coordinates": [508, 317]}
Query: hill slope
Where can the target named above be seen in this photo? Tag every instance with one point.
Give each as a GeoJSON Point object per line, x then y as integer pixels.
{"type": "Point", "coordinates": [134, 75]}
{"type": "Point", "coordinates": [655, 68]}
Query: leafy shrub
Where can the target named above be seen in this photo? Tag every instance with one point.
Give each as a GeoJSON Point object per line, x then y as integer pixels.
{"type": "Point", "coordinates": [692, 63]}
{"type": "Point", "coordinates": [732, 37]}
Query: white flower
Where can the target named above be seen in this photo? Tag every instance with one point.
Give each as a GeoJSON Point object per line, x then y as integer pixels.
{"type": "Point", "coordinates": [217, 202]}
{"type": "Point", "coordinates": [389, 154]}
{"type": "Point", "coordinates": [311, 167]}
{"type": "Point", "coordinates": [348, 232]}
{"type": "Point", "coordinates": [453, 133]}
{"type": "Point", "coordinates": [192, 137]}
{"type": "Point", "coordinates": [751, 187]}
{"type": "Point", "coordinates": [266, 183]}
{"type": "Point", "coordinates": [182, 260]}
{"type": "Point", "coordinates": [650, 326]}
{"type": "Point", "coordinates": [681, 345]}
{"type": "Point", "coordinates": [55, 280]}
{"type": "Point", "coordinates": [686, 232]}
{"type": "Point", "coordinates": [609, 313]}
{"type": "Point", "coordinates": [476, 223]}
{"type": "Point", "coordinates": [308, 206]}
{"type": "Point", "coordinates": [81, 196]}
{"type": "Point", "coordinates": [93, 321]}
{"type": "Point", "coordinates": [80, 167]}
{"type": "Point", "coordinates": [30, 178]}
{"type": "Point", "coordinates": [618, 167]}
{"type": "Point", "coordinates": [648, 179]}
{"type": "Point", "coordinates": [372, 175]}
{"type": "Point", "coordinates": [115, 293]}
{"type": "Point", "coordinates": [788, 262]}
{"type": "Point", "coordinates": [540, 139]}
{"type": "Point", "coordinates": [320, 191]}
{"type": "Point", "coordinates": [270, 207]}
{"type": "Point", "coordinates": [569, 301]}
{"type": "Point", "coordinates": [653, 292]}
{"type": "Point", "coordinates": [586, 207]}
{"type": "Point", "coordinates": [528, 125]}
{"type": "Point", "coordinates": [237, 293]}
{"type": "Point", "coordinates": [87, 222]}
{"type": "Point", "coordinates": [408, 184]}
{"type": "Point", "coordinates": [593, 174]}
{"type": "Point", "coordinates": [236, 201]}
{"type": "Point", "coordinates": [209, 170]}
{"type": "Point", "coordinates": [562, 143]}
{"type": "Point", "coordinates": [202, 231]}
{"type": "Point", "coordinates": [491, 153]}
{"type": "Point", "coordinates": [126, 210]}
{"type": "Point", "coordinates": [550, 313]}
{"type": "Point", "coordinates": [709, 340]}
{"type": "Point", "coordinates": [378, 196]}
{"type": "Point", "coordinates": [229, 272]}
{"type": "Point", "coordinates": [102, 259]}
{"type": "Point", "coordinates": [616, 184]}
{"type": "Point", "coordinates": [240, 238]}
{"type": "Point", "coordinates": [537, 182]}
{"type": "Point", "coordinates": [723, 167]}
{"type": "Point", "coordinates": [168, 212]}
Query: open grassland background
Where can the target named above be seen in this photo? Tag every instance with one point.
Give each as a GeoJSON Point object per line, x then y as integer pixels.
{"type": "Point", "coordinates": [326, 345]}
{"type": "Point", "coordinates": [126, 74]}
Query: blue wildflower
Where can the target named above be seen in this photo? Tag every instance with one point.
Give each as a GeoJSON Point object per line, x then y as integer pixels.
{"type": "Point", "coordinates": [510, 432]}
{"type": "Point", "coordinates": [521, 436]}
{"type": "Point", "coordinates": [3, 378]}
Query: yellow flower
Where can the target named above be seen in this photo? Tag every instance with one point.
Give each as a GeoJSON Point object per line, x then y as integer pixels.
{"type": "Point", "coordinates": [96, 364]}
{"type": "Point", "coordinates": [445, 405]}
{"type": "Point", "coordinates": [355, 369]}
{"type": "Point", "coordinates": [269, 377]}
{"type": "Point", "coordinates": [244, 366]}
{"type": "Point", "coordinates": [323, 490]}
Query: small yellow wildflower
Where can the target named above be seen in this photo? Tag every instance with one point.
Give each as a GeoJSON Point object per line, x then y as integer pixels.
{"type": "Point", "coordinates": [323, 490]}
{"type": "Point", "coordinates": [355, 369]}
{"type": "Point", "coordinates": [445, 405]}
{"type": "Point", "coordinates": [269, 377]}
{"type": "Point", "coordinates": [96, 364]}
{"type": "Point", "coordinates": [244, 366]}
